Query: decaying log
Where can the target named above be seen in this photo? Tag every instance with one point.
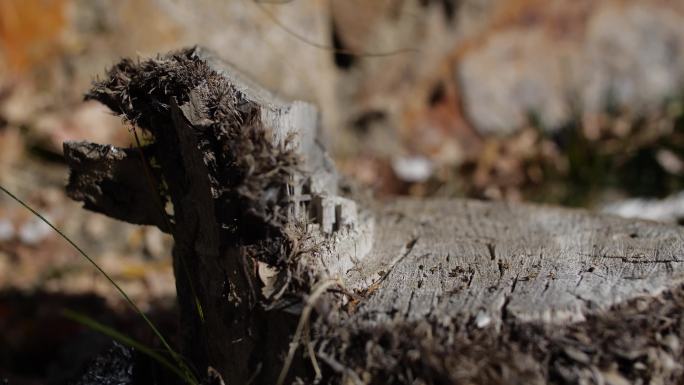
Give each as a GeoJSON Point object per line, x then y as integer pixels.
{"type": "Point", "coordinates": [297, 281]}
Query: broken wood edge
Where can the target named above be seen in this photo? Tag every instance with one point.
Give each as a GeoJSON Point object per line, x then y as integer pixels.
{"type": "Point", "coordinates": [107, 180]}
{"type": "Point", "coordinates": [317, 214]}
{"type": "Point", "coordinates": [258, 216]}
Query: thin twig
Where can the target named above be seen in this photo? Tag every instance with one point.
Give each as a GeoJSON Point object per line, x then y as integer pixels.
{"type": "Point", "coordinates": [312, 353]}
{"type": "Point", "coordinates": [338, 367]}
{"type": "Point", "coordinates": [326, 47]}
{"type": "Point", "coordinates": [316, 292]}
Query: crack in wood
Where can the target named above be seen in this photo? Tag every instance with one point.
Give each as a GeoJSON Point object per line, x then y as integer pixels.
{"type": "Point", "coordinates": [547, 283]}
{"type": "Point", "coordinates": [492, 251]}
{"type": "Point", "coordinates": [515, 283]}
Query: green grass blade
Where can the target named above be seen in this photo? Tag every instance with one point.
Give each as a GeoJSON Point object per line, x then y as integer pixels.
{"type": "Point", "coordinates": [108, 331]}
{"type": "Point", "coordinates": [128, 300]}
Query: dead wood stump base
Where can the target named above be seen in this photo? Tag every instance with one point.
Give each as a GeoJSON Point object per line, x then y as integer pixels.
{"type": "Point", "coordinates": [300, 283]}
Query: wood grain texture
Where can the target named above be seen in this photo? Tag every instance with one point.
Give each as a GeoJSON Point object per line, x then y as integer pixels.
{"type": "Point", "coordinates": [460, 291]}
{"type": "Point", "coordinates": [535, 263]}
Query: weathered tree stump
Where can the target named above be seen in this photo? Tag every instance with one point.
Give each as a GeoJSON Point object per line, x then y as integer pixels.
{"type": "Point", "coordinates": [296, 281]}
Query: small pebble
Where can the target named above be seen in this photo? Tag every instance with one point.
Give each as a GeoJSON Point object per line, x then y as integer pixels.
{"type": "Point", "coordinates": [6, 230]}
{"type": "Point", "coordinates": [482, 320]}
{"type": "Point", "coordinates": [154, 243]}
{"type": "Point", "coordinates": [412, 169]}
{"type": "Point", "coordinates": [95, 227]}
{"type": "Point", "coordinates": [34, 231]}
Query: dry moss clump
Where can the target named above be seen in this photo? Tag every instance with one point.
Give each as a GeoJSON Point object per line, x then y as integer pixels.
{"type": "Point", "coordinates": [248, 174]}
{"type": "Point", "coordinates": [637, 342]}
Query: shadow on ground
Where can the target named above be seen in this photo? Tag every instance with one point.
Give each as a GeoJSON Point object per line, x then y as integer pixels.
{"type": "Point", "coordinates": [41, 346]}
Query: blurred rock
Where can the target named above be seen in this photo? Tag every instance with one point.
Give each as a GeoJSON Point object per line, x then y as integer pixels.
{"type": "Point", "coordinates": [493, 67]}
{"type": "Point", "coordinates": [6, 229]}
{"type": "Point", "coordinates": [566, 58]}
{"type": "Point", "coordinates": [34, 231]}
{"type": "Point", "coordinates": [432, 76]}
{"type": "Point", "coordinates": [413, 169]}
{"type": "Point", "coordinates": [422, 77]}
{"type": "Point", "coordinates": [670, 162]}
{"type": "Point", "coordinates": [397, 74]}
{"type": "Point", "coordinates": [157, 244]}
{"type": "Point", "coordinates": [670, 209]}
{"type": "Point", "coordinates": [96, 227]}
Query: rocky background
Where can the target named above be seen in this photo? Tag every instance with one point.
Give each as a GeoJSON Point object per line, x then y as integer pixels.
{"type": "Point", "coordinates": [566, 102]}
